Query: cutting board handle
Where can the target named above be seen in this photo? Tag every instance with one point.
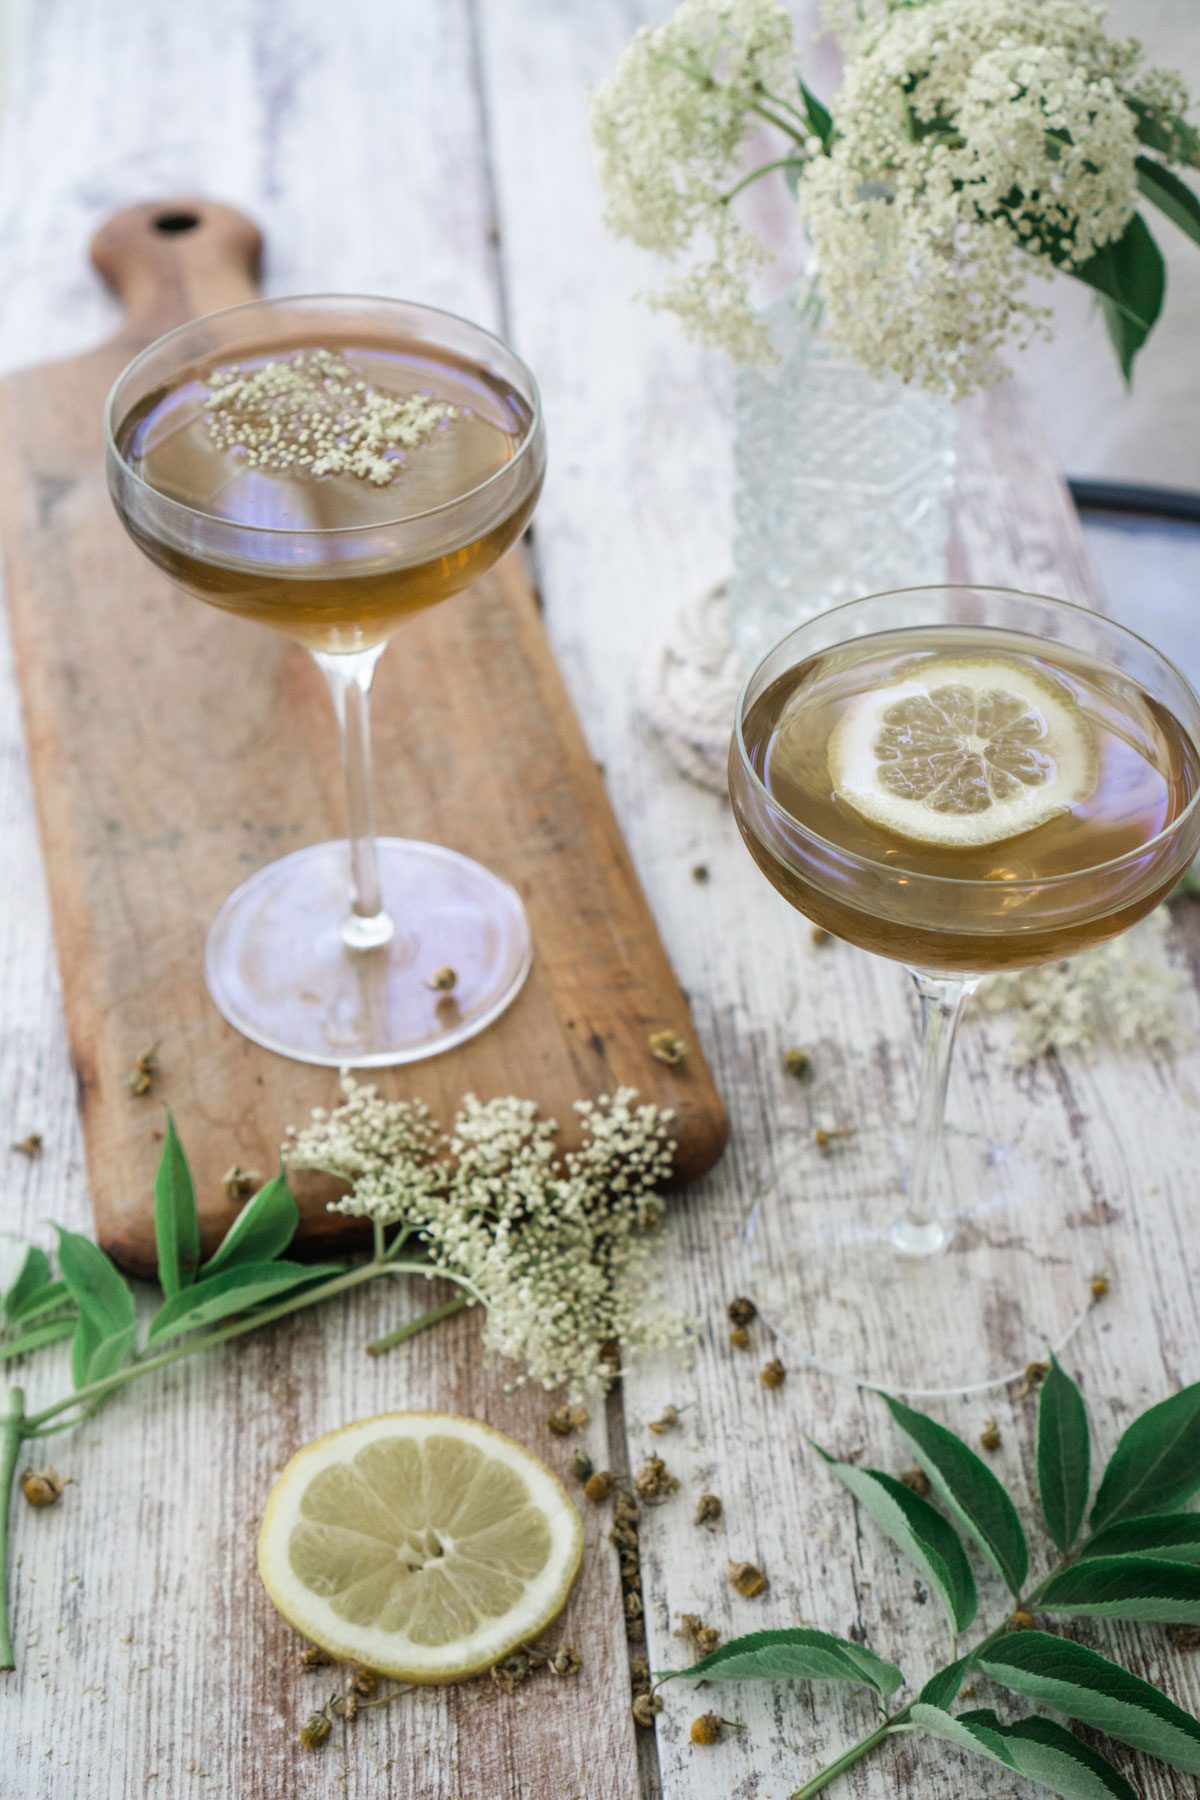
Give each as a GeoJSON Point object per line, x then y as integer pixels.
{"type": "Point", "coordinates": [172, 260]}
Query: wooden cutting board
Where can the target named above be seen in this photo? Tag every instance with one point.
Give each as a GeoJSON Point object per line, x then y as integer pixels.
{"type": "Point", "coordinates": [175, 749]}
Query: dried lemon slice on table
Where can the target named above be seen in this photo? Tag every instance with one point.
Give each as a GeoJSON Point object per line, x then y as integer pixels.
{"type": "Point", "coordinates": [419, 1544]}
{"type": "Point", "coordinates": [963, 752]}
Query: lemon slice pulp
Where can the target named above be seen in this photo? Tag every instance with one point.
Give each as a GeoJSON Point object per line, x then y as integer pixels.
{"type": "Point", "coordinates": [422, 1545]}
{"type": "Point", "coordinates": [963, 752]}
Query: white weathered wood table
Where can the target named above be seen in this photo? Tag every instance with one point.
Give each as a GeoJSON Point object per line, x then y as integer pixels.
{"type": "Point", "coordinates": [437, 149]}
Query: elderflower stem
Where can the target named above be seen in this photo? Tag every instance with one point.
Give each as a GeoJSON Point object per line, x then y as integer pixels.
{"type": "Point", "coordinates": [11, 1421]}
{"type": "Point", "coordinates": [404, 1332]}
{"type": "Point", "coordinates": [849, 1757]}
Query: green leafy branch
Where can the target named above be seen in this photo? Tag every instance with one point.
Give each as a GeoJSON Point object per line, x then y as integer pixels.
{"type": "Point", "coordinates": [246, 1283]}
{"type": "Point", "coordinates": [1140, 1560]}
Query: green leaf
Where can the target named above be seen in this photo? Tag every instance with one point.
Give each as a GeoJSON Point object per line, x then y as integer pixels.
{"type": "Point", "coordinates": [919, 1533]}
{"type": "Point", "coordinates": [819, 117]}
{"type": "Point", "coordinates": [235, 1290]}
{"type": "Point", "coordinates": [1039, 1748]}
{"type": "Point", "coordinates": [262, 1230]}
{"type": "Point", "coordinates": [1125, 1587]}
{"type": "Point", "coordinates": [970, 1731]}
{"type": "Point", "coordinates": [34, 1273]}
{"type": "Point", "coordinates": [38, 1335]}
{"type": "Point", "coordinates": [103, 1297]}
{"type": "Point", "coordinates": [1130, 277]}
{"type": "Point", "coordinates": [43, 1300]}
{"type": "Point", "coordinates": [1063, 1456]}
{"type": "Point", "coordinates": [1172, 1537]}
{"type": "Point", "coordinates": [794, 1654]}
{"type": "Point", "coordinates": [1055, 1672]}
{"type": "Point", "coordinates": [970, 1491]}
{"type": "Point", "coordinates": [108, 1354]}
{"type": "Point", "coordinates": [943, 1688]}
{"type": "Point", "coordinates": [176, 1226]}
{"type": "Point", "coordinates": [1171, 196]}
{"type": "Point", "coordinates": [1156, 1465]}
{"type": "Point", "coordinates": [1171, 136]}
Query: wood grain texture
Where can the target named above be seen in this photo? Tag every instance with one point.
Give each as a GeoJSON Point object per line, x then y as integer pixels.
{"type": "Point", "coordinates": [175, 751]}
{"type": "Point", "coordinates": [481, 111]}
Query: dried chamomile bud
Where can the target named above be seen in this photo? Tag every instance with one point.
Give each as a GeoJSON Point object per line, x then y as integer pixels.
{"type": "Point", "coordinates": [739, 1337]}
{"type": "Point", "coordinates": [774, 1374]}
{"type": "Point", "coordinates": [708, 1509]}
{"type": "Point", "coordinates": [654, 1482]}
{"type": "Point", "coordinates": [313, 1657]}
{"type": "Point", "coordinates": [566, 1660]}
{"type": "Point", "coordinates": [668, 1421]}
{"type": "Point", "coordinates": [599, 1485]}
{"type": "Point", "coordinates": [989, 1437]}
{"type": "Point", "coordinates": [443, 980]}
{"type": "Point", "coordinates": [1020, 1621]}
{"type": "Point", "coordinates": [706, 1729]}
{"type": "Point", "coordinates": [581, 1464]}
{"type": "Point", "coordinates": [1099, 1286]}
{"type": "Point", "coordinates": [798, 1063]}
{"type": "Point", "coordinates": [667, 1047]}
{"type": "Point", "coordinates": [42, 1487]}
{"type": "Point", "coordinates": [915, 1480]}
{"type": "Point", "coordinates": [565, 1419]}
{"type": "Point", "coordinates": [747, 1579]}
{"type": "Point", "coordinates": [741, 1311]}
{"type": "Point", "coordinates": [646, 1708]}
{"type": "Point", "coordinates": [315, 1730]}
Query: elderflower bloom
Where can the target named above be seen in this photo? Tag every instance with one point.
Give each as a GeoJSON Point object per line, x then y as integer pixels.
{"type": "Point", "coordinates": [667, 132]}
{"type": "Point", "coordinates": [969, 136]}
{"type": "Point", "coordinates": [560, 1249]}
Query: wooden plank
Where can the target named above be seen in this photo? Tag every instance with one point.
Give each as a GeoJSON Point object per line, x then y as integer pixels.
{"type": "Point", "coordinates": [639, 523]}
{"type": "Point", "coordinates": [151, 1662]}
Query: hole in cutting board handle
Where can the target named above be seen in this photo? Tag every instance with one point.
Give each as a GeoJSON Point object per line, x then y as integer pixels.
{"type": "Point", "coordinates": [171, 224]}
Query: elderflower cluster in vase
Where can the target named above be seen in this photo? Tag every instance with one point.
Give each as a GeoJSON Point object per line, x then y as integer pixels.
{"type": "Point", "coordinates": [972, 145]}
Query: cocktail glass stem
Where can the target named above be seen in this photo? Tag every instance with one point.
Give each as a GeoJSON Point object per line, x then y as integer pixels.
{"type": "Point", "coordinates": [920, 1232]}
{"type": "Point", "coordinates": [367, 926]}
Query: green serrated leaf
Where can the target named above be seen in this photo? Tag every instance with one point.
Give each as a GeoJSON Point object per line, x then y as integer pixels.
{"type": "Point", "coordinates": [970, 1731]}
{"type": "Point", "coordinates": [1039, 1748]}
{"type": "Point", "coordinates": [1156, 1465]}
{"type": "Point", "coordinates": [101, 1293]}
{"type": "Point", "coordinates": [1130, 278]}
{"type": "Point", "coordinates": [1171, 196]}
{"type": "Point", "coordinates": [1125, 1587]}
{"type": "Point", "coordinates": [262, 1230]}
{"type": "Point", "coordinates": [235, 1290]}
{"type": "Point", "coordinates": [819, 117]}
{"type": "Point", "coordinates": [794, 1654]}
{"type": "Point", "coordinates": [176, 1226]}
{"type": "Point", "coordinates": [1063, 1456]}
{"type": "Point", "coordinates": [52, 1332]}
{"type": "Point", "coordinates": [1172, 1537]}
{"type": "Point", "coordinates": [34, 1273]}
{"type": "Point", "coordinates": [43, 1300]}
{"type": "Point", "coordinates": [943, 1688]}
{"type": "Point", "coordinates": [108, 1355]}
{"type": "Point", "coordinates": [1082, 1684]}
{"type": "Point", "coordinates": [968, 1489]}
{"type": "Point", "coordinates": [919, 1532]}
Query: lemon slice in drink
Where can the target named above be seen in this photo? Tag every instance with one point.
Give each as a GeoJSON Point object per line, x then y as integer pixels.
{"type": "Point", "coordinates": [419, 1544]}
{"type": "Point", "coordinates": [963, 752]}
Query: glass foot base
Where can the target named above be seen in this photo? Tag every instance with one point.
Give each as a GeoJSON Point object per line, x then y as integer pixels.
{"type": "Point", "coordinates": [280, 972]}
{"type": "Point", "coordinates": [1024, 1237]}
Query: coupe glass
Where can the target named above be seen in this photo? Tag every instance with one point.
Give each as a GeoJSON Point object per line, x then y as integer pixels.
{"type": "Point", "coordinates": [326, 955]}
{"type": "Point", "coordinates": [950, 1262]}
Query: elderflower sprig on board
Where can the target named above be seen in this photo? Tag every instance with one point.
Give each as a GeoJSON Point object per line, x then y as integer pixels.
{"type": "Point", "coordinates": [971, 142]}
{"type": "Point", "coordinates": [559, 1251]}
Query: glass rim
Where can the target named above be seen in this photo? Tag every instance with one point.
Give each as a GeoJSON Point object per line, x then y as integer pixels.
{"type": "Point", "coordinates": [536, 419]}
{"type": "Point", "coordinates": [1127, 858]}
